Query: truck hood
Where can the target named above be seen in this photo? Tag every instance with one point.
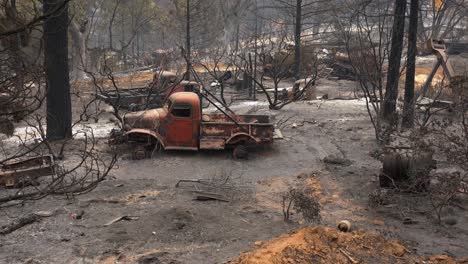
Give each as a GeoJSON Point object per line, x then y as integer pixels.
{"type": "Point", "coordinates": [149, 119]}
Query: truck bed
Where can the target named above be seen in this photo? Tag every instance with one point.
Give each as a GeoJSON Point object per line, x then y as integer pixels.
{"type": "Point", "coordinates": [135, 98]}
{"type": "Point", "coordinates": [216, 130]}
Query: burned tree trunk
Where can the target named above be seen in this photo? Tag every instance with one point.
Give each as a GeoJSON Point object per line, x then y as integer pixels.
{"type": "Point", "coordinates": [393, 77]}
{"type": "Point", "coordinates": [408, 108]}
{"type": "Point", "coordinates": [188, 42]}
{"type": "Point", "coordinates": [59, 116]}
{"type": "Point", "coordinates": [14, 45]}
{"type": "Point", "coordinates": [297, 40]}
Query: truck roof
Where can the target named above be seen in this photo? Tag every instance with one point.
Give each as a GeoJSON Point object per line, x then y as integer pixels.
{"type": "Point", "coordinates": [185, 97]}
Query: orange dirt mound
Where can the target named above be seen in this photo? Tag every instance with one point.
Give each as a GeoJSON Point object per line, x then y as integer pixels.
{"type": "Point", "coordinates": [327, 245]}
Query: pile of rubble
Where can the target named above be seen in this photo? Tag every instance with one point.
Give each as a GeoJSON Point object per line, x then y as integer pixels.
{"type": "Point", "coordinates": [327, 245]}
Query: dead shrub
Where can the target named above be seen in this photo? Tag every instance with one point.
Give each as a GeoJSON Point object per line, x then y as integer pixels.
{"type": "Point", "coordinates": [304, 202]}
{"type": "Point", "coordinates": [380, 197]}
{"type": "Point", "coordinates": [447, 189]}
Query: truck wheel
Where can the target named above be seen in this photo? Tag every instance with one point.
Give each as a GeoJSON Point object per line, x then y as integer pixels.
{"type": "Point", "coordinates": [139, 153]}
{"type": "Point", "coordinates": [240, 152]}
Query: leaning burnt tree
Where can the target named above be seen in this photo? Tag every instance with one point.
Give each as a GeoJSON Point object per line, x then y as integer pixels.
{"type": "Point", "coordinates": [59, 114]}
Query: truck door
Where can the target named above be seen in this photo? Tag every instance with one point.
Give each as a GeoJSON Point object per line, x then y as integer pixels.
{"type": "Point", "coordinates": [180, 127]}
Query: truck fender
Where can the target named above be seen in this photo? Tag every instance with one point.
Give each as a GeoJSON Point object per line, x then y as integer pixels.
{"type": "Point", "coordinates": [145, 135]}
{"type": "Point", "coordinates": [240, 137]}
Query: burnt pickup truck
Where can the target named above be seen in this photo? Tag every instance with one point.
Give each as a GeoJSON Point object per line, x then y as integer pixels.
{"type": "Point", "coordinates": [182, 125]}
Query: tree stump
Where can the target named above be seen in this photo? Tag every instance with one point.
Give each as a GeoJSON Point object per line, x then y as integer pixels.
{"type": "Point", "coordinates": [406, 170]}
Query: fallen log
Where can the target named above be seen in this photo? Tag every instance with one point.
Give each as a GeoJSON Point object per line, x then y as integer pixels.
{"type": "Point", "coordinates": [18, 223]}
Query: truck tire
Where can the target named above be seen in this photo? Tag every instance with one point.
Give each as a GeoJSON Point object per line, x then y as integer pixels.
{"type": "Point", "coordinates": [240, 152]}
{"type": "Point", "coordinates": [139, 153]}
{"type": "Point", "coordinates": [145, 152]}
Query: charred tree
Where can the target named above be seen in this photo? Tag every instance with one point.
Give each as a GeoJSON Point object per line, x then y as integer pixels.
{"type": "Point", "coordinates": [14, 43]}
{"type": "Point", "coordinates": [188, 47]}
{"type": "Point", "coordinates": [297, 40]}
{"type": "Point", "coordinates": [408, 108]}
{"type": "Point", "coordinates": [394, 61]}
{"type": "Point", "coordinates": [59, 115]}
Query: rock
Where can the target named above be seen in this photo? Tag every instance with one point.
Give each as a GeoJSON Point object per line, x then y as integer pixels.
{"type": "Point", "coordinates": [180, 225]}
{"type": "Point", "coordinates": [150, 259]}
{"type": "Point", "coordinates": [258, 243]}
{"type": "Point", "coordinates": [337, 160]}
{"type": "Point", "coordinates": [450, 221]}
{"type": "Point", "coordinates": [44, 213]}
{"type": "Point", "coordinates": [294, 125]}
{"type": "Point", "coordinates": [156, 258]}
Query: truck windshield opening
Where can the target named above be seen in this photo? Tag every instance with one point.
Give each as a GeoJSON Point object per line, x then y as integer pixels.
{"type": "Point", "coordinates": [181, 112]}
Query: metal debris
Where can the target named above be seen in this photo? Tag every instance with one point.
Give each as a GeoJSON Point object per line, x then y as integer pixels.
{"type": "Point", "coordinates": [26, 170]}
{"type": "Point", "coordinates": [120, 218]}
